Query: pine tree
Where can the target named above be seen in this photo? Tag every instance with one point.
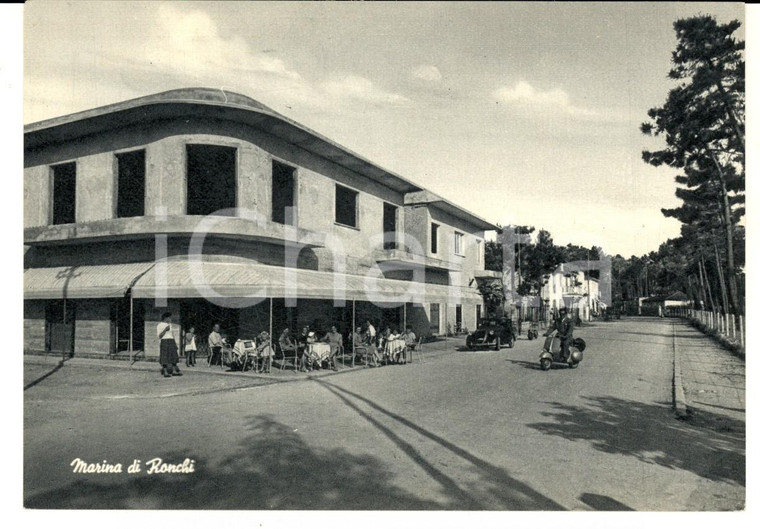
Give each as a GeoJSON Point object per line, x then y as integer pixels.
{"type": "Point", "coordinates": [703, 125]}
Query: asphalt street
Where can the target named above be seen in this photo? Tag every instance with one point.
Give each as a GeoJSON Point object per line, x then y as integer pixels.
{"type": "Point", "coordinates": [462, 430]}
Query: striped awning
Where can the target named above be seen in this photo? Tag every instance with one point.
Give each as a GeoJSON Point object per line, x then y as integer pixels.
{"type": "Point", "coordinates": [76, 282]}
{"type": "Point", "coordinates": [210, 280]}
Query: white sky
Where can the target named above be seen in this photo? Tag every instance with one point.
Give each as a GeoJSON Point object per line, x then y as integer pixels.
{"type": "Point", "coordinates": [521, 113]}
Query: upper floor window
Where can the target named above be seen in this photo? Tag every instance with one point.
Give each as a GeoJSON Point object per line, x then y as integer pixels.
{"type": "Point", "coordinates": [130, 198]}
{"type": "Point", "coordinates": [211, 179]}
{"type": "Point", "coordinates": [434, 238]}
{"type": "Point", "coordinates": [458, 243]}
{"type": "Point", "coordinates": [64, 193]}
{"type": "Point", "coordinates": [390, 213]}
{"type": "Point", "coordinates": [345, 206]}
{"type": "Point", "coordinates": [283, 193]}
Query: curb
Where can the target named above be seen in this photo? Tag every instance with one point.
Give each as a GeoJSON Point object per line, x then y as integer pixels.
{"type": "Point", "coordinates": [679, 396]}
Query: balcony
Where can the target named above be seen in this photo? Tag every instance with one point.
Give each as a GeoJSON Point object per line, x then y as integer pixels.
{"type": "Point", "coordinates": [133, 228]}
{"type": "Point", "coordinates": [487, 274]}
{"type": "Point", "coordinates": [411, 260]}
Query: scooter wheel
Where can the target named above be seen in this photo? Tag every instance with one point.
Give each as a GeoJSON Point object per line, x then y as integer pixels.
{"type": "Point", "coordinates": [573, 365]}
{"type": "Point", "coordinates": [546, 364]}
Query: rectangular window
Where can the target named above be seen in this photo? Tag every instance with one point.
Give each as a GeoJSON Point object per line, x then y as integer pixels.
{"type": "Point", "coordinates": [434, 238]}
{"type": "Point", "coordinates": [64, 193]}
{"type": "Point", "coordinates": [458, 318]}
{"type": "Point", "coordinates": [130, 199]}
{"type": "Point", "coordinates": [283, 193]}
{"type": "Point", "coordinates": [345, 206]}
{"type": "Point", "coordinates": [458, 243]}
{"type": "Point", "coordinates": [211, 175]}
{"type": "Point", "coordinates": [389, 226]}
{"type": "Point", "coordinates": [435, 318]}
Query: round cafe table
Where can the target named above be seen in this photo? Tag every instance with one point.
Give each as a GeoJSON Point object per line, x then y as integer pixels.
{"type": "Point", "coordinates": [319, 351]}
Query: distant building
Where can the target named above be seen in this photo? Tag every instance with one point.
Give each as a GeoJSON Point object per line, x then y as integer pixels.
{"type": "Point", "coordinates": [572, 289]}
{"type": "Point", "coordinates": [119, 199]}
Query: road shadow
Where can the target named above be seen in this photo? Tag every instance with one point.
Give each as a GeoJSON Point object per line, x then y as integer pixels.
{"type": "Point", "coordinates": [649, 433]}
{"type": "Point", "coordinates": [36, 381]}
{"type": "Point", "coordinates": [496, 488]}
{"type": "Point", "coordinates": [599, 502]}
{"type": "Point", "coordinates": [526, 365]}
{"type": "Point", "coordinates": [271, 468]}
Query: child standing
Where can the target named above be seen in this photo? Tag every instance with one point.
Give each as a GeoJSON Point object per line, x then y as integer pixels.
{"type": "Point", "coordinates": [190, 347]}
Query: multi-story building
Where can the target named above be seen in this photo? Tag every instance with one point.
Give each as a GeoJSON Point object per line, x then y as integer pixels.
{"type": "Point", "coordinates": [212, 206]}
{"type": "Point", "coordinates": [567, 287]}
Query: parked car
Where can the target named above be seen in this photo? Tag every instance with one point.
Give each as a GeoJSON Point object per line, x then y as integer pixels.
{"type": "Point", "coordinates": [492, 332]}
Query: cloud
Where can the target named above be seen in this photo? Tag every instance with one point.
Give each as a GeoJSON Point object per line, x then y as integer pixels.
{"type": "Point", "coordinates": [427, 72]}
{"type": "Point", "coordinates": [524, 96]}
{"type": "Point", "coordinates": [361, 88]}
{"type": "Point", "coordinates": [180, 48]}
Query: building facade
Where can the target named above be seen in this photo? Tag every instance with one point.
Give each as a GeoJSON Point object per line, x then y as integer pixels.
{"type": "Point", "coordinates": [572, 289]}
{"type": "Point", "coordinates": [217, 209]}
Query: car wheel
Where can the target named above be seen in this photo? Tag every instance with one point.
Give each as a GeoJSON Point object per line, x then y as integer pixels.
{"type": "Point", "coordinates": [497, 344]}
{"type": "Point", "coordinates": [545, 364]}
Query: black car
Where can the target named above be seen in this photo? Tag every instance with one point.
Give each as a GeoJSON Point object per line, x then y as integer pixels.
{"type": "Point", "coordinates": [493, 332]}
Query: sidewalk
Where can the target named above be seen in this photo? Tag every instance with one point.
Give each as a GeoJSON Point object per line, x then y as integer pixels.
{"type": "Point", "coordinates": [712, 385]}
{"type": "Point", "coordinates": [430, 350]}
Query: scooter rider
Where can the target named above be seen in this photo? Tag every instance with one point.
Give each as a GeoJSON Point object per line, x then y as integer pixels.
{"type": "Point", "coordinates": [564, 328]}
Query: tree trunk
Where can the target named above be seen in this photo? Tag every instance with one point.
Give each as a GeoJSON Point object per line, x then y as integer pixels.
{"type": "Point", "coordinates": [702, 291]}
{"type": "Point", "coordinates": [729, 225]}
{"type": "Point", "coordinates": [707, 282]}
{"type": "Point", "coordinates": [721, 278]}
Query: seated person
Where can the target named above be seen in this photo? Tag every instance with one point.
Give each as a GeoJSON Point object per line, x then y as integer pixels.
{"type": "Point", "coordinates": [287, 344]}
{"type": "Point", "coordinates": [305, 339]}
{"type": "Point", "coordinates": [409, 338]}
{"type": "Point", "coordinates": [335, 340]}
{"type": "Point", "coordinates": [264, 349]}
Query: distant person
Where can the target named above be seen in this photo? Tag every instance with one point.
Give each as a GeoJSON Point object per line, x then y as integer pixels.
{"type": "Point", "coordinates": [215, 344]}
{"type": "Point", "coordinates": [190, 347]}
{"type": "Point", "coordinates": [371, 333]}
{"type": "Point", "coordinates": [288, 344]}
{"type": "Point", "coordinates": [168, 356]}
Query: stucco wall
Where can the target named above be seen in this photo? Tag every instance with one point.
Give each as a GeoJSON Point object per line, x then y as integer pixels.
{"type": "Point", "coordinates": [34, 325]}
{"type": "Point", "coordinates": [165, 146]}
{"type": "Point", "coordinates": [92, 329]}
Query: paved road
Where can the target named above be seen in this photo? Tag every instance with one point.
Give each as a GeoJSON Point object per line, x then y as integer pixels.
{"type": "Point", "coordinates": [463, 431]}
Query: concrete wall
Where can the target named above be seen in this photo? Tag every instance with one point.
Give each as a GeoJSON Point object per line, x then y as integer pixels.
{"type": "Point", "coordinates": [37, 193]}
{"type": "Point", "coordinates": [34, 325]}
{"type": "Point", "coordinates": [468, 260]}
{"type": "Point", "coordinates": [92, 329]}
{"type": "Point", "coordinates": [95, 187]}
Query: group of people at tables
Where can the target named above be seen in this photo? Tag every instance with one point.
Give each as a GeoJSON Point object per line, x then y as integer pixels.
{"type": "Point", "coordinates": [312, 350]}
{"type": "Point", "coordinates": [315, 352]}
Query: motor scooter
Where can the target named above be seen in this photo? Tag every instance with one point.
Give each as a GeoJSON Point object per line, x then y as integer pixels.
{"type": "Point", "coordinates": [552, 352]}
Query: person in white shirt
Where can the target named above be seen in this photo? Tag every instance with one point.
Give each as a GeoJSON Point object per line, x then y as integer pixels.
{"type": "Point", "coordinates": [215, 343]}
{"type": "Point", "coordinates": [168, 356]}
{"type": "Point", "coordinates": [371, 333]}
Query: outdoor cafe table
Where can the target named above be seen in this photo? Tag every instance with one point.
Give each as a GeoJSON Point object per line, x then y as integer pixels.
{"type": "Point", "coordinates": [394, 347]}
{"type": "Point", "coordinates": [319, 351]}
